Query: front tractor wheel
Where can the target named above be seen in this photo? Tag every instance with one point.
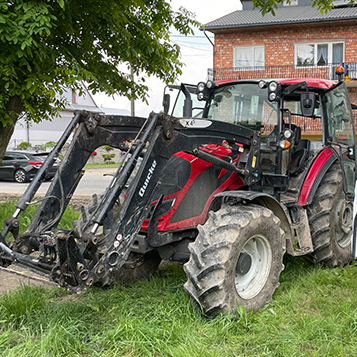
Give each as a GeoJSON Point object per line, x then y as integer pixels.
{"type": "Point", "coordinates": [236, 259]}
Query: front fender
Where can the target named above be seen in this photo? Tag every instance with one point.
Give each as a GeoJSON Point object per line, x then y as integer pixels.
{"type": "Point", "coordinates": [265, 200]}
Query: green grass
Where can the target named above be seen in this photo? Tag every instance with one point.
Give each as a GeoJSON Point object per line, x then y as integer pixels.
{"type": "Point", "coordinates": [313, 313]}
{"type": "Point", "coordinates": [110, 164]}
{"type": "Point", "coordinates": [7, 210]}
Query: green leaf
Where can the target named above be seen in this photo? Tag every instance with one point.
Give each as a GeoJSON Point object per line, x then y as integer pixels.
{"type": "Point", "coordinates": [49, 45]}
{"type": "Point", "coordinates": [61, 3]}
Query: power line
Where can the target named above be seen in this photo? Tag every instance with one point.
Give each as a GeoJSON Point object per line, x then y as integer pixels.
{"type": "Point", "coordinates": [192, 47]}
{"type": "Point", "coordinates": [189, 36]}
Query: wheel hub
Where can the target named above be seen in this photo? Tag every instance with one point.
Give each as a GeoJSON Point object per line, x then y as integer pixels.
{"type": "Point", "coordinates": [253, 266]}
{"type": "Point", "coordinates": [244, 263]}
{"type": "Point", "coordinates": [343, 222]}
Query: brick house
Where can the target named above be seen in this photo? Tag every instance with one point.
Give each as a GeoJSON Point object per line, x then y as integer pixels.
{"type": "Point", "coordinates": [299, 41]}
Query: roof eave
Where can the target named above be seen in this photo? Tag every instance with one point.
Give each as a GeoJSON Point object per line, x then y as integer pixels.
{"type": "Point", "coordinates": [272, 24]}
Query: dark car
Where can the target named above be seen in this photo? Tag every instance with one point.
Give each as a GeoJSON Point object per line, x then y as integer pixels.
{"type": "Point", "coordinates": [22, 166]}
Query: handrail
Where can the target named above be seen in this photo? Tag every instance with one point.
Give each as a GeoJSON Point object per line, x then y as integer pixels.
{"type": "Point", "coordinates": [288, 71]}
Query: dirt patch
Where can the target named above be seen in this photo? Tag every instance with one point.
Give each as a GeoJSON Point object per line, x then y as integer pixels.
{"type": "Point", "coordinates": [15, 277]}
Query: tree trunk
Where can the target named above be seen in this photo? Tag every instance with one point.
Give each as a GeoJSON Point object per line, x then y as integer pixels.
{"type": "Point", "coordinates": [14, 108]}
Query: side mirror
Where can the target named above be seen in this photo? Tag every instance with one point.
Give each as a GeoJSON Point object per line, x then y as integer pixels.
{"type": "Point", "coordinates": [166, 103]}
{"type": "Point", "coordinates": [307, 104]}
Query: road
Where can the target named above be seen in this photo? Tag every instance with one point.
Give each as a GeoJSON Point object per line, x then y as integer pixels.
{"type": "Point", "coordinates": [93, 181]}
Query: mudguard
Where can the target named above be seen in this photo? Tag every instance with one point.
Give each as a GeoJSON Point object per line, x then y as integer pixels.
{"type": "Point", "coordinates": [264, 200]}
{"type": "Point", "coordinates": [316, 172]}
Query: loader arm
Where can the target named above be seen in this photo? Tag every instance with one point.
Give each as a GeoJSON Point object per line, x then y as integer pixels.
{"type": "Point", "coordinates": [80, 261]}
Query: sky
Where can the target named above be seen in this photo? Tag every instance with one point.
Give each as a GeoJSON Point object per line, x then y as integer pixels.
{"type": "Point", "coordinates": [196, 52]}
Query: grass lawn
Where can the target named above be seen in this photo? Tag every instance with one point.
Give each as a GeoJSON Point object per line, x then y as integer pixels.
{"type": "Point", "coordinates": [113, 164]}
{"type": "Point", "coordinates": [313, 313]}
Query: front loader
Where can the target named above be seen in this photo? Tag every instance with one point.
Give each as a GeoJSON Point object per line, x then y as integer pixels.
{"type": "Point", "coordinates": [222, 180]}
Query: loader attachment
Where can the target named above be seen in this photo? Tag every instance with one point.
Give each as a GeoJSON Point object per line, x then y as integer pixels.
{"type": "Point", "coordinates": [93, 254]}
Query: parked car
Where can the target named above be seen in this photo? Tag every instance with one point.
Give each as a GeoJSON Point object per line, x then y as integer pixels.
{"type": "Point", "coordinates": [22, 166]}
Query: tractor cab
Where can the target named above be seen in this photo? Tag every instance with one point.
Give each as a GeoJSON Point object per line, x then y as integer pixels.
{"type": "Point", "coordinates": [297, 120]}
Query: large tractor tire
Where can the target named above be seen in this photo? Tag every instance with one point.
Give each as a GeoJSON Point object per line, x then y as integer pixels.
{"type": "Point", "coordinates": [330, 220]}
{"type": "Point", "coordinates": [236, 259]}
{"type": "Point", "coordinates": [137, 266]}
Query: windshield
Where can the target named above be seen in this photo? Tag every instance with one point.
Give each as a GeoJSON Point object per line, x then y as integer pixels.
{"type": "Point", "coordinates": [245, 104]}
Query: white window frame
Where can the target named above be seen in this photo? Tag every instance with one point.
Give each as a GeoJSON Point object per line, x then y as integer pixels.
{"type": "Point", "coordinates": [252, 53]}
{"type": "Point", "coordinates": [315, 44]}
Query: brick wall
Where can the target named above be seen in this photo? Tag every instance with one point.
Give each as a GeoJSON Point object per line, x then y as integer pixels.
{"type": "Point", "coordinates": [279, 42]}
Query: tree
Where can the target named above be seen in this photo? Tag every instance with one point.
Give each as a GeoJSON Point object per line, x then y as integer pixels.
{"type": "Point", "coordinates": [49, 45]}
{"type": "Point", "coordinates": [268, 6]}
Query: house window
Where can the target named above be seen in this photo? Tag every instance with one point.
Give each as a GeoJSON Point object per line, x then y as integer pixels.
{"type": "Point", "coordinates": [248, 56]}
{"type": "Point", "coordinates": [318, 54]}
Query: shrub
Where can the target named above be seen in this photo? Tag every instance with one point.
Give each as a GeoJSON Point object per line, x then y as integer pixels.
{"type": "Point", "coordinates": [108, 158]}
{"type": "Point", "coordinates": [24, 145]}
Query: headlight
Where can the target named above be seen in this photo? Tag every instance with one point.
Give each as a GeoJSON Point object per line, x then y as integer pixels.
{"type": "Point", "coordinates": [274, 91]}
{"type": "Point", "coordinates": [272, 96]}
{"type": "Point", "coordinates": [200, 87]}
{"type": "Point", "coordinates": [288, 134]}
{"type": "Point", "coordinates": [210, 84]}
{"type": "Point", "coordinates": [200, 96]}
{"type": "Point", "coordinates": [204, 90]}
{"type": "Point", "coordinates": [273, 86]}
{"type": "Point", "coordinates": [262, 84]}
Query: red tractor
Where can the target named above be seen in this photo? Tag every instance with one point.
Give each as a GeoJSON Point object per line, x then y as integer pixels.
{"type": "Point", "coordinates": [222, 180]}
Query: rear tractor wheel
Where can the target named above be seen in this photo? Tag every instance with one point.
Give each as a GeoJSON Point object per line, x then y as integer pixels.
{"type": "Point", "coordinates": [330, 219]}
{"type": "Point", "coordinates": [236, 259]}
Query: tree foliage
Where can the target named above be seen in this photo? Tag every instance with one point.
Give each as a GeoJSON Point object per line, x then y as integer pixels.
{"type": "Point", "coordinates": [49, 45]}
{"type": "Point", "coordinates": [269, 6]}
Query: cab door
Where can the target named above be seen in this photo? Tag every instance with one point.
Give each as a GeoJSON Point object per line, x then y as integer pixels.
{"type": "Point", "coordinates": [342, 133]}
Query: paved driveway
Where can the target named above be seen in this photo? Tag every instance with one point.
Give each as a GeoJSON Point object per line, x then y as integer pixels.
{"type": "Point", "coordinates": [95, 180]}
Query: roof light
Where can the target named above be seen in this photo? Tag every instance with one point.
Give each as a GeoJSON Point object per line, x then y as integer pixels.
{"type": "Point", "coordinates": [210, 84]}
{"type": "Point", "coordinates": [339, 71]}
{"type": "Point", "coordinates": [262, 84]}
{"type": "Point", "coordinates": [272, 96]}
{"type": "Point", "coordinates": [200, 96]}
{"type": "Point", "coordinates": [200, 87]}
{"type": "Point", "coordinates": [274, 91]}
{"type": "Point", "coordinates": [273, 86]}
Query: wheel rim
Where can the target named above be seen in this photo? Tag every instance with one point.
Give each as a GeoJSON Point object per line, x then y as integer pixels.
{"type": "Point", "coordinates": [20, 176]}
{"type": "Point", "coordinates": [252, 273]}
{"type": "Point", "coordinates": [343, 222]}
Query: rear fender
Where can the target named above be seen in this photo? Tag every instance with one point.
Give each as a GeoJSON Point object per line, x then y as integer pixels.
{"type": "Point", "coordinates": [316, 172]}
{"type": "Point", "coordinates": [265, 200]}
